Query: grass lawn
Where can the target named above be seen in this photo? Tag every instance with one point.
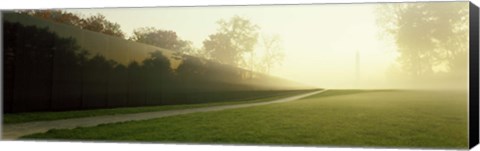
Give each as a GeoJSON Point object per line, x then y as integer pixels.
{"type": "Point", "coordinates": [46, 116]}
{"type": "Point", "coordinates": [411, 119]}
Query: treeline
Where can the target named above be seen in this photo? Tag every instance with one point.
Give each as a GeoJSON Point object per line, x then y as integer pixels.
{"type": "Point", "coordinates": [46, 72]}
{"type": "Point", "coordinates": [97, 23]}
{"type": "Point", "coordinates": [237, 42]}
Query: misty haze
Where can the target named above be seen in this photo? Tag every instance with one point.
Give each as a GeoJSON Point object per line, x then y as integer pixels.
{"type": "Point", "coordinates": [379, 74]}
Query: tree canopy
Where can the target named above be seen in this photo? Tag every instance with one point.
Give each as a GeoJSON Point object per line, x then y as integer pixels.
{"type": "Point", "coordinates": [431, 38]}
{"type": "Point", "coordinates": [233, 39]}
{"type": "Point", "coordinates": [161, 38]}
{"type": "Point", "coordinates": [97, 23]}
{"type": "Point", "coordinates": [273, 52]}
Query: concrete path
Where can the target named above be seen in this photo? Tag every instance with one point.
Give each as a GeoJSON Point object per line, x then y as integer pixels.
{"type": "Point", "coordinates": [14, 131]}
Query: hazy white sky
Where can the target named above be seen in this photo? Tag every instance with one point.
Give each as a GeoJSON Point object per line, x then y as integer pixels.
{"type": "Point", "coordinates": [320, 41]}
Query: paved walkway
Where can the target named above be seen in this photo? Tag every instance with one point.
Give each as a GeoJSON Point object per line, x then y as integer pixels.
{"type": "Point", "coordinates": [14, 131]}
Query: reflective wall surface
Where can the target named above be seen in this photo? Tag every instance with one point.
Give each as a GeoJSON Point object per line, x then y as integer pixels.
{"type": "Point", "coordinates": [50, 67]}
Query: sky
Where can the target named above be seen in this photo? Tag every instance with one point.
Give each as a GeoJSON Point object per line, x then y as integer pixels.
{"type": "Point", "coordinates": [320, 42]}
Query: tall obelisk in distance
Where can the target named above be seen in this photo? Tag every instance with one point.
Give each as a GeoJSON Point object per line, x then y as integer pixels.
{"type": "Point", "coordinates": [357, 69]}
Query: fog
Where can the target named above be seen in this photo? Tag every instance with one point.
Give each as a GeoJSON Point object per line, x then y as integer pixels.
{"type": "Point", "coordinates": [338, 45]}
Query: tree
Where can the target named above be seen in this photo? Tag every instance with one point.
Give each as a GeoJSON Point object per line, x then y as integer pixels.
{"type": "Point", "coordinates": [56, 15]}
{"type": "Point", "coordinates": [220, 48]}
{"type": "Point", "coordinates": [233, 39]}
{"type": "Point", "coordinates": [161, 38]}
{"type": "Point", "coordinates": [430, 37]}
{"type": "Point", "coordinates": [96, 23]}
{"type": "Point", "coordinates": [273, 54]}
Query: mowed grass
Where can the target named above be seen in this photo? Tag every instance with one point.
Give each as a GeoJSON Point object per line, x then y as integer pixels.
{"type": "Point", "coordinates": [411, 119]}
{"type": "Point", "coordinates": [48, 116]}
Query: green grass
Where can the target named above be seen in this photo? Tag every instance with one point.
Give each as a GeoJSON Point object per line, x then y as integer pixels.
{"type": "Point", "coordinates": [47, 116]}
{"type": "Point", "coordinates": [419, 119]}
